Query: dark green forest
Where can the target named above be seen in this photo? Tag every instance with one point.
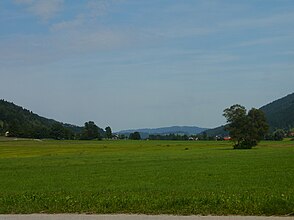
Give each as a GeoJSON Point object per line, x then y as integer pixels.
{"type": "Point", "coordinates": [279, 115]}
{"type": "Point", "coordinates": [16, 121]}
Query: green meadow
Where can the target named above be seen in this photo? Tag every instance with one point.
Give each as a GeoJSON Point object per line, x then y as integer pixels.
{"type": "Point", "coordinates": [150, 177]}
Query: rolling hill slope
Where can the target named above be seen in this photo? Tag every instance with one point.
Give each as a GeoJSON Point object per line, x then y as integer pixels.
{"type": "Point", "coordinates": [279, 114]}
{"type": "Point", "coordinates": [21, 122]}
{"type": "Point", "coordinates": [24, 123]}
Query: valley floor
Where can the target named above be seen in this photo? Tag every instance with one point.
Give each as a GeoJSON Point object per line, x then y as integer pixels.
{"type": "Point", "coordinates": [146, 177]}
{"type": "Point", "coordinates": [134, 217]}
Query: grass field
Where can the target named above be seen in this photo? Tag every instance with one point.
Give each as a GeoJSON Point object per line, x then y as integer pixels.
{"type": "Point", "coordinates": [151, 177]}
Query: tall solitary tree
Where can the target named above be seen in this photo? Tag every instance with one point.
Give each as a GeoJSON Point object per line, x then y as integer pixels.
{"type": "Point", "coordinates": [90, 131]}
{"type": "Point", "coordinates": [135, 136]}
{"type": "Point", "coordinates": [246, 129]}
{"type": "Point", "coordinates": [108, 132]}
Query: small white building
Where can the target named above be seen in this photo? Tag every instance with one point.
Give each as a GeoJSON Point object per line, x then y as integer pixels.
{"type": "Point", "coordinates": [6, 133]}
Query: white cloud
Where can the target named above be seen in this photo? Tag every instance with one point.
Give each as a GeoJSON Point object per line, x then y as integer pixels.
{"type": "Point", "coordinates": [45, 9]}
{"type": "Point", "coordinates": [68, 38]}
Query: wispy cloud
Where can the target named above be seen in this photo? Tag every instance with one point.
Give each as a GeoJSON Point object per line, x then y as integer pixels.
{"type": "Point", "coordinates": [98, 7]}
{"type": "Point", "coordinates": [44, 9]}
{"type": "Point", "coordinates": [289, 52]}
{"type": "Point", "coordinates": [92, 10]}
{"type": "Point", "coordinates": [257, 22]}
{"type": "Point", "coordinates": [34, 50]}
{"type": "Point", "coordinates": [264, 41]}
{"type": "Point", "coordinates": [88, 41]}
{"type": "Point", "coordinates": [23, 1]}
{"type": "Point", "coordinates": [68, 25]}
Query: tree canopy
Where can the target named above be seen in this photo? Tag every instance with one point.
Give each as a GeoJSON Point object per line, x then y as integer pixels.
{"type": "Point", "coordinates": [245, 129]}
{"type": "Point", "coordinates": [135, 136]}
{"type": "Point", "coordinates": [90, 131]}
{"type": "Point", "coordinates": [108, 132]}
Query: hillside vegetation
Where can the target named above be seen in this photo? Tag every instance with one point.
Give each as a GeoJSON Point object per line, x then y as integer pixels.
{"type": "Point", "coordinates": [21, 122]}
{"type": "Point", "coordinates": [280, 113]}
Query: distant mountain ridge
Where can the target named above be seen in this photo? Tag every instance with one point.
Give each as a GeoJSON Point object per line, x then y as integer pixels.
{"type": "Point", "coordinates": [188, 130]}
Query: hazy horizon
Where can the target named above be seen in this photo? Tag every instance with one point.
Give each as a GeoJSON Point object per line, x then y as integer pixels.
{"type": "Point", "coordinates": [136, 64]}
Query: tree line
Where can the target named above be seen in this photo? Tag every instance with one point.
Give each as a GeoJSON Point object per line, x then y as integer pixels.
{"type": "Point", "coordinates": [56, 131]}
{"type": "Point", "coordinates": [16, 121]}
{"type": "Point", "coordinates": [245, 128]}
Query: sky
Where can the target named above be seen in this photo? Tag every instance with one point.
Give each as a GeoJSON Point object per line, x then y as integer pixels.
{"type": "Point", "coordinates": [145, 64]}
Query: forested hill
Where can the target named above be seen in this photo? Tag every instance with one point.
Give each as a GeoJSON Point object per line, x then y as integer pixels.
{"type": "Point", "coordinates": [280, 113]}
{"type": "Point", "coordinates": [21, 122]}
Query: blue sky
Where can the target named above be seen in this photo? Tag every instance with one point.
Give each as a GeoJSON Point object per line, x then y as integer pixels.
{"type": "Point", "coordinates": [139, 63]}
